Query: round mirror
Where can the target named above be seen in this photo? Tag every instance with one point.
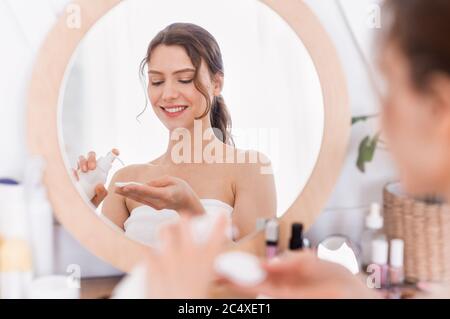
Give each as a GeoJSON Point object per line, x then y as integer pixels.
{"type": "Point", "coordinates": [270, 89]}
{"type": "Point", "coordinates": [145, 77]}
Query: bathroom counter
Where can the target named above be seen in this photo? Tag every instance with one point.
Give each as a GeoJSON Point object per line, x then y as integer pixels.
{"type": "Point", "coordinates": [98, 288]}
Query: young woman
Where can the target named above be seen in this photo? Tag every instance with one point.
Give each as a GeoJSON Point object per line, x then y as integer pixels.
{"type": "Point", "coordinates": [415, 59]}
{"type": "Point", "coordinates": [208, 174]}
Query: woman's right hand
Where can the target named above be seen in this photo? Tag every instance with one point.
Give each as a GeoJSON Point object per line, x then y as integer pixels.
{"type": "Point", "coordinates": [86, 164]}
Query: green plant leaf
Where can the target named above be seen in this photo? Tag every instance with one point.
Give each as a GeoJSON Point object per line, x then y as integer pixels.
{"type": "Point", "coordinates": [366, 151]}
{"type": "Point", "coordinates": [356, 119]}
{"type": "Point", "coordinates": [363, 118]}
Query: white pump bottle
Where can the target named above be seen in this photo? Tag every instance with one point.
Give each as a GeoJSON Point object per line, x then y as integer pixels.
{"type": "Point", "coordinates": [88, 181]}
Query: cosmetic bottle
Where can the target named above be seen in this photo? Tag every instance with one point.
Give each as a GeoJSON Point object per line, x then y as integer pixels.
{"type": "Point", "coordinates": [40, 218]}
{"type": "Point", "coordinates": [272, 234]}
{"type": "Point", "coordinates": [372, 231]}
{"type": "Point", "coordinates": [396, 272]}
{"type": "Point", "coordinates": [297, 241]}
{"type": "Point", "coordinates": [379, 264]}
{"type": "Point", "coordinates": [88, 181]}
{"type": "Point", "coordinates": [15, 255]}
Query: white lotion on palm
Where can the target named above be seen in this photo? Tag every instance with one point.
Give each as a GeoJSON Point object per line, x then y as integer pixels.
{"type": "Point", "coordinates": [120, 184]}
{"type": "Point", "coordinates": [88, 181]}
{"type": "Point", "coordinates": [241, 268]}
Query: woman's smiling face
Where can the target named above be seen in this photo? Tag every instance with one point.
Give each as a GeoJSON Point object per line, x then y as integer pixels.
{"type": "Point", "coordinates": [173, 95]}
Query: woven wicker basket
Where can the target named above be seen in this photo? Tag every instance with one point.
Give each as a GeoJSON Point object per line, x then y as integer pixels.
{"type": "Point", "coordinates": [425, 229]}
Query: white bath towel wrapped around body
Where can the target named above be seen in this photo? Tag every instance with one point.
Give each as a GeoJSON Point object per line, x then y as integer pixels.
{"type": "Point", "coordinates": [145, 222]}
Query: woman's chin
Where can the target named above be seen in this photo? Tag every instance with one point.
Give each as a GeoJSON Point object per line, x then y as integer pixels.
{"type": "Point", "coordinates": [174, 125]}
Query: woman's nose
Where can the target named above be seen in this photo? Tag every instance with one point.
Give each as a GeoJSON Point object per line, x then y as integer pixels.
{"type": "Point", "coordinates": [169, 92]}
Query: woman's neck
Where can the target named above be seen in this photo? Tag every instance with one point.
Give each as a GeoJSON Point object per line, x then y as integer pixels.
{"type": "Point", "coordinates": [187, 145]}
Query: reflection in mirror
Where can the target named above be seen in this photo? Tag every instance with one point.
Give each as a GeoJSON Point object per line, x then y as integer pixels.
{"type": "Point", "coordinates": [160, 96]}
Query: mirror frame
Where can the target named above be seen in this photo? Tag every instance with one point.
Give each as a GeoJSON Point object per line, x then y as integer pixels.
{"type": "Point", "coordinates": [77, 216]}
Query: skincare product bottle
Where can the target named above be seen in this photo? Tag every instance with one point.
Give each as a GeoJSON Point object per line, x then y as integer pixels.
{"type": "Point", "coordinates": [272, 233]}
{"type": "Point", "coordinates": [379, 265]}
{"type": "Point", "coordinates": [88, 181]}
{"type": "Point", "coordinates": [297, 241]}
{"type": "Point", "coordinates": [372, 231]}
{"type": "Point", "coordinates": [396, 272]}
{"type": "Point", "coordinates": [15, 255]}
{"type": "Point", "coordinates": [40, 218]}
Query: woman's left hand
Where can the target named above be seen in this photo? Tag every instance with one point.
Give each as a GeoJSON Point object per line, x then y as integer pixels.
{"type": "Point", "coordinates": [165, 193]}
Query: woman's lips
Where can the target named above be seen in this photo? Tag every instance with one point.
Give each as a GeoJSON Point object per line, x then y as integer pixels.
{"type": "Point", "coordinates": [174, 111]}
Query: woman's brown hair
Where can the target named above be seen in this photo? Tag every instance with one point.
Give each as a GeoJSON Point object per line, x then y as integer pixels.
{"type": "Point", "coordinates": [199, 45]}
{"type": "Point", "coordinates": [421, 28]}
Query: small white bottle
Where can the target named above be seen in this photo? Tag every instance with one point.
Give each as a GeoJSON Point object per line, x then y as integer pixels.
{"type": "Point", "coordinates": [396, 272]}
{"type": "Point", "coordinates": [373, 231]}
{"type": "Point", "coordinates": [88, 181]}
{"type": "Point", "coordinates": [40, 216]}
{"type": "Point", "coordinates": [379, 261]}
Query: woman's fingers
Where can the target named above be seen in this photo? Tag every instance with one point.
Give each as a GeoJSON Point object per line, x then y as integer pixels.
{"type": "Point", "coordinates": [142, 191]}
{"type": "Point", "coordinates": [292, 263]}
{"type": "Point", "coordinates": [185, 231]}
{"type": "Point", "coordinates": [172, 238]}
{"type": "Point", "coordinates": [87, 164]}
{"type": "Point", "coordinates": [92, 161]}
{"type": "Point", "coordinates": [100, 191]}
{"type": "Point", "coordinates": [82, 163]}
{"type": "Point", "coordinates": [218, 235]}
{"type": "Point", "coordinates": [100, 194]}
{"type": "Point", "coordinates": [135, 197]}
{"type": "Point", "coordinates": [245, 290]}
{"type": "Point", "coordinates": [140, 198]}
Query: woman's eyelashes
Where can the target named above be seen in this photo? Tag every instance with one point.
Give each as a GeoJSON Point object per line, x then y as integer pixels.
{"type": "Point", "coordinates": [158, 83]}
{"type": "Point", "coordinates": [186, 81]}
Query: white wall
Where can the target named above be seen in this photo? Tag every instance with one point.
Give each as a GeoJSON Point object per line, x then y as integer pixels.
{"type": "Point", "coordinates": [24, 23]}
{"type": "Point", "coordinates": [354, 191]}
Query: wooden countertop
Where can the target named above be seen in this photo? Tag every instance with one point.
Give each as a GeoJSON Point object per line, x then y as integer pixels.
{"type": "Point", "coordinates": [98, 288]}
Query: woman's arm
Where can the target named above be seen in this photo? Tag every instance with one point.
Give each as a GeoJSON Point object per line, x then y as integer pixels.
{"type": "Point", "coordinates": [114, 207]}
{"type": "Point", "coordinates": [255, 195]}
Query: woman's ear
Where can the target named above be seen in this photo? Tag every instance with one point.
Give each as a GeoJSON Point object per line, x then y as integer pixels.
{"type": "Point", "coordinates": [218, 84]}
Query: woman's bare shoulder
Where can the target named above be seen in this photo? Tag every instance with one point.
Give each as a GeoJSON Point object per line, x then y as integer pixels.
{"type": "Point", "coordinates": [247, 163]}
{"type": "Point", "coordinates": [138, 172]}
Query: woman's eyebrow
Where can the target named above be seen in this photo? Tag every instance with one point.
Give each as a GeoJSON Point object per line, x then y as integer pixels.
{"type": "Point", "coordinates": [176, 72]}
{"type": "Point", "coordinates": [184, 71]}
